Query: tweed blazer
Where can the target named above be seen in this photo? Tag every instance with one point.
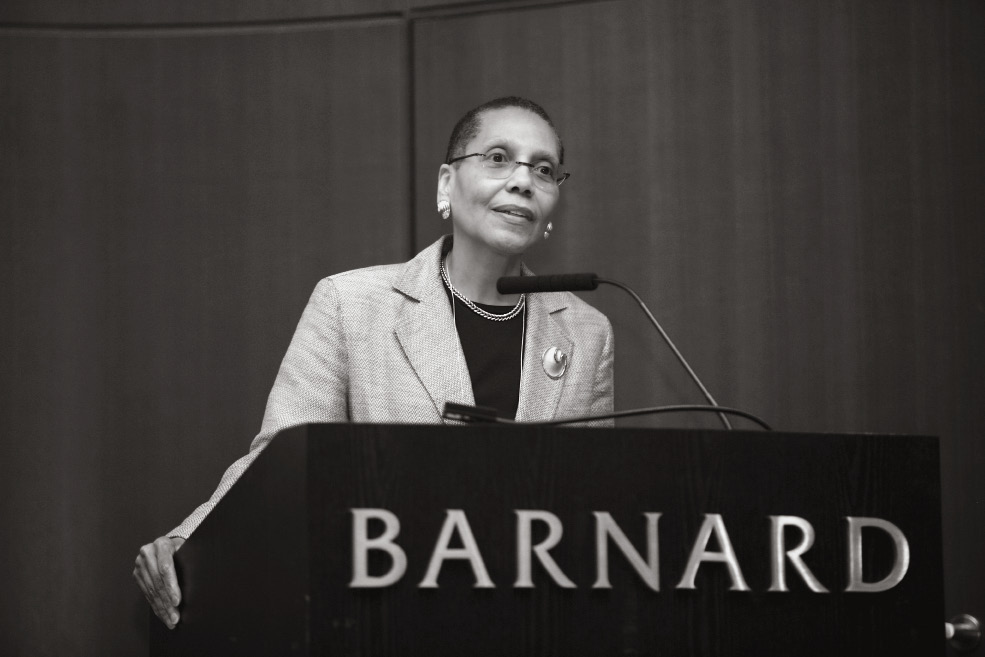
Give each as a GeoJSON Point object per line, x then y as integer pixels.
{"type": "Point", "coordinates": [379, 345]}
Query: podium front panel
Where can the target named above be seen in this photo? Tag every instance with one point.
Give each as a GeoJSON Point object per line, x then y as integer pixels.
{"type": "Point", "coordinates": [274, 569]}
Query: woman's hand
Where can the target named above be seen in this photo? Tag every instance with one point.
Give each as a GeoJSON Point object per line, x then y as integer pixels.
{"type": "Point", "coordinates": [156, 577]}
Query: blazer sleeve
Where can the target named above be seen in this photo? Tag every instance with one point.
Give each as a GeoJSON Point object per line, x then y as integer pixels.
{"type": "Point", "coordinates": [311, 386]}
{"type": "Point", "coordinates": [603, 390]}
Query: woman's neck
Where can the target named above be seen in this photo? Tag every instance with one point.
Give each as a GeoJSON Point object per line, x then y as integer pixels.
{"type": "Point", "coordinates": [474, 273]}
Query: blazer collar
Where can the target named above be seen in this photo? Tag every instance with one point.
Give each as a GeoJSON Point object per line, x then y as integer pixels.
{"type": "Point", "coordinates": [426, 331]}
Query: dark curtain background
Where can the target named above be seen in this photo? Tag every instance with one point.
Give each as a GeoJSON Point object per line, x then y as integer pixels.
{"type": "Point", "coordinates": [795, 187]}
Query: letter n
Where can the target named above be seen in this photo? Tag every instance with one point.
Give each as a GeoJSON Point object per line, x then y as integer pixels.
{"type": "Point", "coordinates": [606, 528]}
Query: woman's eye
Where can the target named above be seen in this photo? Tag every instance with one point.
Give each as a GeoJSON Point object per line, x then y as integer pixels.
{"type": "Point", "coordinates": [497, 158]}
{"type": "Point", "coordinates": [545, 170]}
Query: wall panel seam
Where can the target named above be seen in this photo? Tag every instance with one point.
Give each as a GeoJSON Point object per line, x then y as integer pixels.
{"type": "Point", "coordinates": [182, 29]}
{"type": "Point", "coordinates": [496, 6]}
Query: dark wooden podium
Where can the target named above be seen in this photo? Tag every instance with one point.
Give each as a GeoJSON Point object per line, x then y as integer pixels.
{"type": "Point", "coordinates": [269, 571]}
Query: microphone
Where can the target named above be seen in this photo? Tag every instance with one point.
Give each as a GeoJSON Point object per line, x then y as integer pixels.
{"type": "Point", "coordinates": [466, 413]}
{"type": "Point", "coordinates": [554, 283]}
{"type": "Point", "coordinates": [579, 282]}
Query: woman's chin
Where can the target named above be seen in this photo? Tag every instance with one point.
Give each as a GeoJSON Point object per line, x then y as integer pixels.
{"type": "Point", "coordinates": [515, 238]}
{"type": "Point", "coordinates": [513, 244]}
{"type": "Point", "coordinates": [505, 239]}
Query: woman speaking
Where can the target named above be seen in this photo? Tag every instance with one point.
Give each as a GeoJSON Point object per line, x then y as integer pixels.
{"type": "Point", "coordinates": [393, 343]}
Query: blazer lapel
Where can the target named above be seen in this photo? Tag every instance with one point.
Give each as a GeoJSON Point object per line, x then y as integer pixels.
{"type": "Point", "coordinates": [426, 331]}
{"type": "Point", "coordinates": [539, 393]}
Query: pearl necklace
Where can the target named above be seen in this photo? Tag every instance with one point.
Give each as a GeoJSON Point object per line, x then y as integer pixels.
{"type": "Point", "coordinates": [476, 309]}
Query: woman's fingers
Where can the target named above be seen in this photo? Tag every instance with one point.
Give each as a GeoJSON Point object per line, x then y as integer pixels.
{"type": "Point", "coordinates": [167, 582]}
{"type": "Point", "coordinates": [146, 584]}
{"type": "Point", "coordinates": [155, 575]}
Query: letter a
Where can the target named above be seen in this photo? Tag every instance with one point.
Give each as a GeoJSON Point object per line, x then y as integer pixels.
{"type": "Point", "coordinates": [713, 524]}
{"type": "Point", "coordinates": [456, 520]}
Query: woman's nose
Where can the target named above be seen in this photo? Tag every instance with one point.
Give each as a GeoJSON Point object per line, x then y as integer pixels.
{"type": "Point", "coordinates": [522, 180]}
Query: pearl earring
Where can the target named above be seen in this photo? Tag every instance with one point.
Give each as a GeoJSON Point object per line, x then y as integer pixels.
{"type": "Point", "coordinates": [549, 227]}
{"type": "Point", "coordinates": [444, 208]}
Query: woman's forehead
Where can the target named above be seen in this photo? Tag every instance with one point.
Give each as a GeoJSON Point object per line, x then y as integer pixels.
{"type": "Point", "coordinates": [518, 128]}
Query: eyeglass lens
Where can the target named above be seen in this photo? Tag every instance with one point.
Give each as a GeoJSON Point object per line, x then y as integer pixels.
{"type": "Point", "coordinates": [500, 166]}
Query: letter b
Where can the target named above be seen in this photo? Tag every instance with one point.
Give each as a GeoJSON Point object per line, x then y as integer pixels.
{"type": "Point", "coordinates": [361, 544]}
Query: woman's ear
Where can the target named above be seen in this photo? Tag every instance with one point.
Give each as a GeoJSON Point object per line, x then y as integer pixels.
{"type": "Point", "coordinates": [445, 176]}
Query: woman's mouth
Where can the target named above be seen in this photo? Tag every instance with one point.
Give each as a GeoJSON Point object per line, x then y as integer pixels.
{"type": "Point", "coordinates": [515, 211]}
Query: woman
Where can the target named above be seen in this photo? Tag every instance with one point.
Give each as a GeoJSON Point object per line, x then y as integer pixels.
{"type": "Point", "coordinates": [393, 343]}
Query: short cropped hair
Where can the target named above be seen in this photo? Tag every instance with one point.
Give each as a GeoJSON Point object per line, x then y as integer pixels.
{"type": "Point", "coordinates": [468, 126]}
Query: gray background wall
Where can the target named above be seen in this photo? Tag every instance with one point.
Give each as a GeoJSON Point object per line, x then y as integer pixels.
{"type": "Point", "coordinates": [795, 187]}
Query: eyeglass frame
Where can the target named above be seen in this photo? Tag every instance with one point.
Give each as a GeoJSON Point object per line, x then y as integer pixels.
{"type": "Point", "coordinates": [516, 163]}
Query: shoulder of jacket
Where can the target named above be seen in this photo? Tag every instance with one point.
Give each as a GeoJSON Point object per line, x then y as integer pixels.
{"type": "Point", "coordinates": [362, 280]}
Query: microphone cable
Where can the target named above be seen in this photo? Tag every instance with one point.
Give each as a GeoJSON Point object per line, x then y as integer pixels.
{"type": "Point", "coordinates": [670, 343]}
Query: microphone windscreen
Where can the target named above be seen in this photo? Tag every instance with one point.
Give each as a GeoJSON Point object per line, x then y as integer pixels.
{"type": "Point", "coordinates": [552, 283]}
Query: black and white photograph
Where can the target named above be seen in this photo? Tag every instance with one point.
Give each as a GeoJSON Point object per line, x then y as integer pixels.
{"type": "Point", "coordinates": [492, 327]}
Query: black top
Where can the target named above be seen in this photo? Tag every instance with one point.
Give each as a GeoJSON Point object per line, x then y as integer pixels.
{"type": "Point", "coordinates": [493, 355]}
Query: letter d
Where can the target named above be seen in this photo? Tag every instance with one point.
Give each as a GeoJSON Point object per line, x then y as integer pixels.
{"type": "Point", "coordinates": [901, 565]}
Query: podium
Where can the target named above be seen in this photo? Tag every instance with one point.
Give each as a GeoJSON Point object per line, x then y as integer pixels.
{"type": "Point", "coordinates": [525, 540]}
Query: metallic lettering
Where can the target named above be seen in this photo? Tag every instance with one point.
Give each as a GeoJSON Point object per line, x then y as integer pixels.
{"type": "Point", "coordinates": [699, 553]}
{"type": "Point", "coordinates": [455, 520]}
{"type": "Point", "coordinates": [361, 544]}
{"type": "Point", "coordinates": [605, 528]}
{"type": "Point", "coordinates": [900, 565]}
{"type": "Point", "coordinates": [524, 520]}
{"type": "Point", "coordinates": [778, 550]}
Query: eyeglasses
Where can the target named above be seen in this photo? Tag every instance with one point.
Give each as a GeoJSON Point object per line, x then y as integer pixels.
{"type": "Point", "coordinates": [499, 165]}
